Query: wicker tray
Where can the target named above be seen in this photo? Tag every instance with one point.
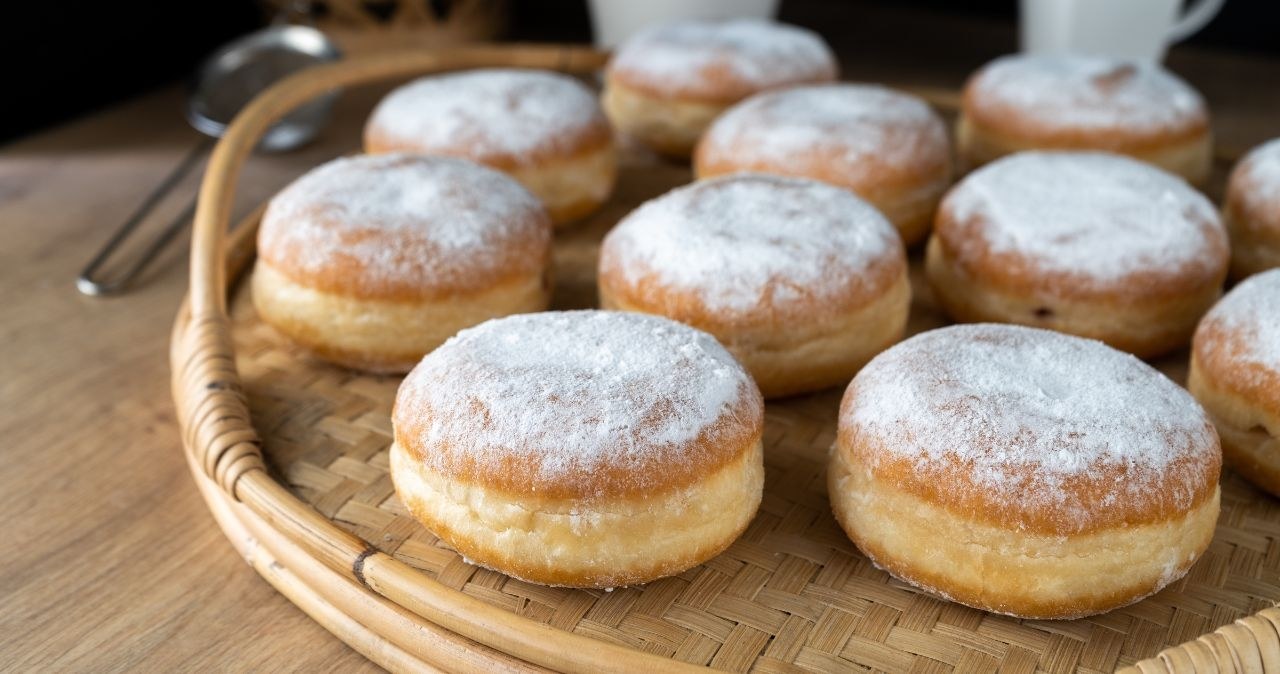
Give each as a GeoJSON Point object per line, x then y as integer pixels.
{"type": "Point", "coordinates": [291, 456]}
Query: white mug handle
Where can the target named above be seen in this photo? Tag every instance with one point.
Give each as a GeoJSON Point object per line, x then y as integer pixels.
{"type": "Point", "coordinates": [1194, 19]}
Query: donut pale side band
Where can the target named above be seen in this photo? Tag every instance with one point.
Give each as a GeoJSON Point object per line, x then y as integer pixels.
{"type": "Point", "coordinates": [610, 542]}
{"type": "Point", "coordinates": [573, 187]}
{"type": "Point", "coordinates": [1249, 445]}
{"type": "Point", "coordinates": [786, 358]}
{"type": "Point", "coordinates": [1235, 374]}
{"type": "Point", "coordinates": [383, 335]}
{"type": "Point", "coordinates": [669, 127]}
{"type": "Point", "coordinates": [1252, 211]}
{"type": "Point", "coordinates": [570, 187]}
{"type": "Point", "coordinates": [1007, 571]}
{"type": "Point", "coordinates": [1190, 158]}
{"type": "Point", "coordinates": [1144, 326]}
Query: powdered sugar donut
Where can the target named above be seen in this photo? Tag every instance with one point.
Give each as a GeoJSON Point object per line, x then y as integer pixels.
{"type": "Point", "coordinates": [1235, 374]}
{"type": "Point", "coordinates": [1024, 471]}
{"type": "Point", "coordinates": [1091, 244]}
{"type": "Point", "coordinates": [802, 281]}
{"type": "Point", "coordinates": [666, 83]}
{"type": "Point", "coordinates": [1076, 102]}
{"type": "Point", "coordinates": [544, 129]}
{"type": "Point", "coordinates": [888, 147]}
{"type": "Point", "coordinates": [371, 262]}
{"type": "Point", "coordinates": [1252, 211]}
{"type": "Point", "coordinates": [584, 448]}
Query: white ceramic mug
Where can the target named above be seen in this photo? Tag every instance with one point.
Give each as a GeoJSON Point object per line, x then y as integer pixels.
{"type": "Point", "coordinates": [1132, 29]}
{"type": "Point", "coordinates": [615, 20]}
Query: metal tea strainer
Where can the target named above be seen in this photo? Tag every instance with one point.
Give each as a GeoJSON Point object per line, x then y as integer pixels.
{"type": "Point", "coordinates": [221, 87]}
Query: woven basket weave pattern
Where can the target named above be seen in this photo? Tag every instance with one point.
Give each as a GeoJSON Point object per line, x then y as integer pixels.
{"type": "Point", "coordinates": [792, 591]}
{"type": "Point", "coordinates": [791, 595]}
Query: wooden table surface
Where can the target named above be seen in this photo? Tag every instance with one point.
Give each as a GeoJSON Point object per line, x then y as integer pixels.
{"type": "Point", "coordinates": [109, 559]}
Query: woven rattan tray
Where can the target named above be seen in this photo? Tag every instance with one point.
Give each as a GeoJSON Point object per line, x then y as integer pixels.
{"type": "Point", "coordinates": [291, 456]}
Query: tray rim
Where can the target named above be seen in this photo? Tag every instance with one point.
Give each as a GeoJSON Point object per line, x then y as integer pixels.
{"type": "Point", "coordinates": [271, 527]}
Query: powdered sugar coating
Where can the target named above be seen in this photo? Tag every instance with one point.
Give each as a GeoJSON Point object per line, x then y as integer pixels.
{"type": "Point", "coordinates": [593, 402]}
{"type": "Point", "coordinates": [1063, 93]}
{"type": "Point", "coordinates": [490, 115]}
{"type": "Point", "coordinates": [1026, 414]}
{"type": "Point", "coordinates": [1071, 91]}
{"type": "Point", "coordinates": [855, 131]}
{"type": "Point", "coordinates": [397, 224]}
{"type": "Point", "coordinates": [747, 243]}
{"type": "Point", "coordinates": [1257, 178]}
{"type": "Point", "coordinates": [695, 57]}
{"type": "Point", "coordinates": [1099, 218]}
{"type": "Point", "coordinates": [1250, 314]}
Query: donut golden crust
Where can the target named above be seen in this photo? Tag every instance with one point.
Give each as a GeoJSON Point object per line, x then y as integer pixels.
{"type": "Point", "coordinates": [1146, 325]}
{"type": "Point", "coordinates": [666, 84]}
{"type": "Point", "coordinates": [1072, 102]}
{"type": "Point", "coordinates": [970, 463]}
{"type": "Point", "coordinates": [784, 360]}
{"type": "Point", "coordinates": [380, 335]}
{"type": "Point", "coordinates": [1252, 211]}
{"type": "Point", "coordinates": [1235, 374]}
{"type": "Point", "coordinates": [371, 262]}
{"type": "Point", "coordinates": [544, 129]}
{"type": "Point", "coordinates": [885, 146]}
{"type": "Point", "coordinates": [588, 449]}
{"type": "Point", "coordinates": [559, 542]}
{"type": "Point", "coordinates": [802, 282]}
{"type": "Point", "coordinates": [668, 127]}
{"type": "Point", "coordinates": [1090, 244]}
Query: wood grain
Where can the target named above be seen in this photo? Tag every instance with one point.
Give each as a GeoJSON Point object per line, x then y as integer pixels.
{"type": "Point", "coordinates": [111, 561]}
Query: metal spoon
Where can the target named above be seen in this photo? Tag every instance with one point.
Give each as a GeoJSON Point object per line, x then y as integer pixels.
{"type": "Point", "coordinates": [221, 87]}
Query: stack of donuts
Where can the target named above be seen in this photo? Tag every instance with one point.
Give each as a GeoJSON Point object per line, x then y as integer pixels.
{"type": "Point", "coordinates": [1025, 462]}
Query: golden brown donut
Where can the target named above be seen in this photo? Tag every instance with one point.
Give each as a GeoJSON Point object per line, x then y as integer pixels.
{"type": "Point", "coordinates": [1252, 211]}
{"type": "Point", "coordinates": [371, 262]}
{"type": "Point", "coordinates": [887, 147]}
{"type": "Point", "coordinates": [1075, 102]}
{"type": "Point", "coordinates": [583, 448]}
{"type": "Point", "coordinates": [1091, 244]}
{"type": "Point", "coordinates": [802, 282]}
{"type": "Point", "coordinates": [665, 84]}
{"type": "Point", "coordinates": [1025, 472]}
{"type": "Point", "coordinates": [544, 129]}
{"type": "Point", "coordinates": [1235, 374]}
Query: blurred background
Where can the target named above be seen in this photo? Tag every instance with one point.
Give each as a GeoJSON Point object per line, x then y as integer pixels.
{"type": "Point", "coordinates": [68, 59]}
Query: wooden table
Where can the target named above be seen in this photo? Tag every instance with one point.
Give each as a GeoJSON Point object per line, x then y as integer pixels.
{"type": "Point", "coordinates": [110, 560]}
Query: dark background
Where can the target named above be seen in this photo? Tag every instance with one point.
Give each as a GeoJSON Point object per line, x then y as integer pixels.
{"type": "Point", "coordinates": [64, 59]}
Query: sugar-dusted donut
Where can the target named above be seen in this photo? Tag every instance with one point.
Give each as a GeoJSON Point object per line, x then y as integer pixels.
{"type": "Point", "coordinates": [372, 261]}
{"type": "Point", "coordinates": [544, 129]}
{"type": "Point", "coordinates": [1235, 374]}
{"type": "Point", "coordinates": [886, 146]}
{"type": "Point", "coordinates": [1077, 102]}
{"type": "Point", "coordinates": [585, 448]}
{"type": "Point", "coordinates": [1088, 243]}
{"type": "Point", "coordinates": [802, 281]}
{"type": "Point", "coordinates": [665, 84]}
{"type": "Point", "coordinates": [1252, 211]}
{"type": "Point", "coordinates": [1024, 471]}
